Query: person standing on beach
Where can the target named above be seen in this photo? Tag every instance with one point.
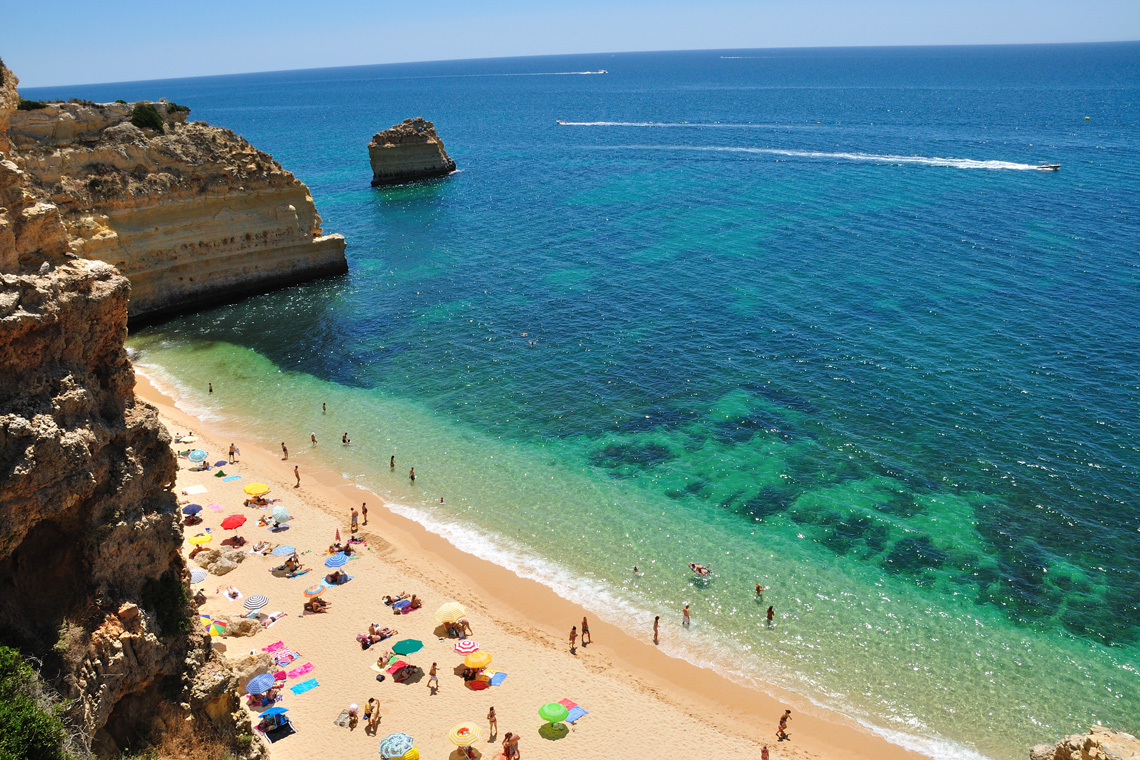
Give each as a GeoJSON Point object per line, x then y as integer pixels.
{"type": "Point", "coordinates": [759, 591]}
{"type": "Point", "coordinates": [354, 516]}
{"type": "Point", "coordinates": [573, 638]}
{"type": "Point", "coordinates": [324, 409]}
{"type": "Point", "coordinates": [297, 475]}
{"type": "Point", "coordinates": [433, 679]}
{"type": "Point", "coordinates": [372, 715]}
{"type": "Point", "coordinates": [232, 452]}
{"type": "Point", "coordinates": [510, 746]}
{"type": "Point", "coordinates": [586, 637]}
{"type": "Point", "coordinates": [685, 616]}
{"type": "Point", "coordinates": [211, 387]}
{"type": "Point", "coordinates": [313, 438]}
{"type": "Point", "coordinates": [764, 752]}
{"type": "Point", "coordinates": [364, 512]}
{"type": "Point", "coordinates": [656, 620]}
{"type": "Point", "coordinates": [284, 451]}
{"type": "Point", "coordinates": [344, 439]}
{"type": "Point", "coordinates": [412, 474]}
{"type": "Point", "coordinates": [492, 722]}
{"type": "Point", "coordinates": [392, 462]}
{"type": "Point", "coordinates": [771, 614]}
{"type": "Point", "coordinates": [782, 729]}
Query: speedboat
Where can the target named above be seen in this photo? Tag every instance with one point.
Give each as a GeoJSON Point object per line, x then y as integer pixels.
{"type": "Point", "coordinates": [1048, 167]}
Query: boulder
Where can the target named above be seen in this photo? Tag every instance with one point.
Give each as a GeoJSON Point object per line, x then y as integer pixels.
{"type": "Point", "coordinates": [406, 152]}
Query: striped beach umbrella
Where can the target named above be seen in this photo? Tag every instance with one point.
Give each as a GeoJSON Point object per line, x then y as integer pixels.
{"type": "Point", "coordinates": [450, 612]}
{"type": "Point", "coordinates": [260, 684]}
{"type": "Point", "coordinates": [281, 515]}
{"type": "Point", "coordinates": [477, 660]}
{"type": "Point", "coordinates": [256, 602]}
{"type": "Point", "coordinates": [197, 575]}
{"type": "Point", "coordinates": [552, 712]}
{"type": "Point", "coordinates": [197, 455]}
{"type": "Point", "coordinates": [466, 646]}
{"type": "Point", "coordinates": [340, 559]}
{"type": "Point", "coordinates": [464, 735]}
{"type": "Point", "coordinates": [256, 489]}
{"type": "Point", "coordinates": [283, 551]}
{"type": "Point", "coordinates": [396, 745]}
{"type": "Point", "coordinates": [201, 538]}
{"type": "Point", "coordinates": [192, 509]}
{"type": "Point", "coordinates": [233, 522]}
{"type": "Point", "coordinates": [316, 590]}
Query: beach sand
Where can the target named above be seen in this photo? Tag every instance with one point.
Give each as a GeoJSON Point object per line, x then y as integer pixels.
{"type": "Point", "coordinates": [641, 702]}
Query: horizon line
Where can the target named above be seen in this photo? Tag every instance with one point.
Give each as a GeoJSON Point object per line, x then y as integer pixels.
{"type": "Point", "coordinates": [568, 55]}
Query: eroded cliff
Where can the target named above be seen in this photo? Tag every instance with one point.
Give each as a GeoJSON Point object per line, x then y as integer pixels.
{"type": "Point", "coordinates": [408, 151]}
{"type": "Point", "coordinates": [190, 213]}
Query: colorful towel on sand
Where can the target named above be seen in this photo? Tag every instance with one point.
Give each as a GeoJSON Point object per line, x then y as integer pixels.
{"type": "Point", "coordinates": [304, 686]}
{"type": "Point", "coordinates": [274, 646]}
{"type": "Point", "coordinates": [284, 657]}
{"type": "Point", "coordinates": [215, 507]}
{"type": "Point", "coordinates": [228, 478]}
{"type": "Point", "coordinates": [194, 489]}
{"type": "Point", "coordinates": [296, 672]}
{"type": "Point", "coordinates": [498, 678]}
{"type": "Point", "coordinates": [576, 712]}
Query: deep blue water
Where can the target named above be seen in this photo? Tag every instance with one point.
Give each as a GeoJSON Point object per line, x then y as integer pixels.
{"type": "Point", "coordinates": [816, 306]}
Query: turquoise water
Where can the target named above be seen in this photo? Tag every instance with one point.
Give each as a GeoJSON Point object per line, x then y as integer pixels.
{"type": "Point", "coordinates": [809, 316]}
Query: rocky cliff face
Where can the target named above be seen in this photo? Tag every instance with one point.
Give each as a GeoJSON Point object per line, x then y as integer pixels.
{"type": "Point", "coordinates": [408, 151]}
{"type": "Point", "coordinates": [1098, 744]}
{"type": "Point", "coordinates": [190, 213]}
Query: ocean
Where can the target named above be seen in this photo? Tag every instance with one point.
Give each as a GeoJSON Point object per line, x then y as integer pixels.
{"type": "Point", "coordinates": [809, 316]}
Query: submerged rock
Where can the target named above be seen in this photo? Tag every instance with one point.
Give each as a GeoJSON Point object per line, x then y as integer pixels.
{"type": "Point", "coordinates": [408, 151]}
{"type": "Point", "coordinates": [1099, 743]}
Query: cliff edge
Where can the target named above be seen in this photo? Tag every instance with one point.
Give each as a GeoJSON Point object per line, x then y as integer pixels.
{"type": "Point", "coordinates": [191, 213]}
{"type": "Point", "coordinates": [408, 151]}
{"type": "Point", "coordinates": [1098, 744]}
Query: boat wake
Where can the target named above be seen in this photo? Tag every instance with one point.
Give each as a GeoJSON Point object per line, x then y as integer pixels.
{"type": "Point", "coordinates": [877, 158]}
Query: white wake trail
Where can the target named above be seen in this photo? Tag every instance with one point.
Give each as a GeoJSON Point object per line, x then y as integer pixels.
{"type": "Point", "coordinates": [954, 163]}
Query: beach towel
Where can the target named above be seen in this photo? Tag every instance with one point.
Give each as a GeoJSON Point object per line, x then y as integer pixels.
{"type": "Point", "coordinates": [304, 686]}
{"type": "Point", "coordinates": [298, 672]}
{"type": "Point", "coordinates": [342, 719]}
{"type": "Point", "coordinates": [576, 712]}
{"type": "Point", "coordinates": [284, 657]}
{"type": "Point", "coordinates": [274, 647]}
{"type": "Point", "coordinates": [194, 489]}
{"type": "Point", "coordinates": [400, 604]}
{"type": "Point", "coordinates": [272, 619]}
{"type": "Point", "coordinates": [393, 667]}
{"type": "Point", "coordinates": [215, 507]}
{"type": "Point", "coordinates": [220, 474]}
{"type": "Point", "coordinates": [228, 478]}
{"type": "Point", "coordinates": [498, 678]}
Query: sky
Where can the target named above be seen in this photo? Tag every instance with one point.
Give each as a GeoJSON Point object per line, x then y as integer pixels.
{"type": "Point", "coordinates": [70, 42]}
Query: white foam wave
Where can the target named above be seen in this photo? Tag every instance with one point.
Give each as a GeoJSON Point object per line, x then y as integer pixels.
{"type": "Point", "coordinates": [879, 158]}
{"type": "Point", "coordinates": [168, 385]}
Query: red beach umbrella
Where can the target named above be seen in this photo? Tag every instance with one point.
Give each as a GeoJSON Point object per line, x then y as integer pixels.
{"type": "Point", "coordinates": [233, 522]}
{"type": "Point", "coordinates": [338, 535]}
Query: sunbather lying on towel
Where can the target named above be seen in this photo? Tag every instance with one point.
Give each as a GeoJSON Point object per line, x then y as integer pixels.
{"type": "Point", "coordinates": [262, 547]}
{"type": "Point", "coordinates": [336, 577]}
{"type": "Point", "coordinates": [415, 603]}
{"type": "Point", "coordinates": [390, 600]}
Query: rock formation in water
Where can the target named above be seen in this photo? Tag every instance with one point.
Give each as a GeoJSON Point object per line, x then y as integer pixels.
{"type": "Point", "coordinates": [190, 213]}
{"type": "Point", "coordinates": [1098, 744]}
{"type": "Point", "coordinates": [408, 151]}
{"type": "Point", "coordinates": [92, 579]}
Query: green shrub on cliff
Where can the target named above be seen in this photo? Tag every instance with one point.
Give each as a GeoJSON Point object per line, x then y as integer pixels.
{"type": "Point", "coordinates": [30, 105]}
{"type": "Point", "coordinates": [145, 116]}
{"type": "Point", "coordinates": [175, 108]}
{"type": "Point", "coordinates": [30, 727]}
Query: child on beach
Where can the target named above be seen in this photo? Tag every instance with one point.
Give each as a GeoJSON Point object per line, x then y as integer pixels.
{"type": "Point", "coordinates": [433, 679]}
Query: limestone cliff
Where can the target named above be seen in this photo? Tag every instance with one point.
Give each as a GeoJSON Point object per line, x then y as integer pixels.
{"type": "Point", "coordinates": [408, 151]}
{"type": "Point", "coordinates": [190, 213]}
{"type": "Point", "coordinates": [1098, 744]}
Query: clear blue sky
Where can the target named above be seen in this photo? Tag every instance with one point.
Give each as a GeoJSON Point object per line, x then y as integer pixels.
{"type": "Point", "coordinates": [65, 42]}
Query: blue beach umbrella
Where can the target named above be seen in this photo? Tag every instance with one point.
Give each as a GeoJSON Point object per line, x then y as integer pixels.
{"type": "Point", "coordinates": [396, 745]}
{"type": "Point", "coordinates": [274, 711]}
{"type": "Point", "coordinates": [197, 455]}
{"type": "Point", "coordinates": [280, 514]}
{"type": "Point", "coordinates": [260, 684]}
{"type": "Point", "coordinates": [337, 560]}
{"type": "Point", "coordinates": [283, 551]}
{"type": "Point", "coordinates": [192, 509]}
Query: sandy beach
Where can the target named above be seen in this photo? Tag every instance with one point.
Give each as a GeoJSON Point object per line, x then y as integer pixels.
{"type": "Point", "coordinates": [641, 702]}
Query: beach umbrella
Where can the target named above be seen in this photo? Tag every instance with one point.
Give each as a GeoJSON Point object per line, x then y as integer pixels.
{"type": "Point", "coordinates": [283, 551]}
{"type": "Point", "coordinates": [280, 515]}
{"type": "Point", "coordinates": [316, 590]}
{"type": "Point", "coordinates": [197, 455]}
{"type": "Point", "coordinates": [260, 684]}
{"type": "Point", "coordinates": [463, 735]}
{"type": "Point", "coordinates": [216, 628]}
{"type": "Point", "coordinates": [340, 559]}
{"type": "Point", "coordinates": [197, 575]}
{"type": "Point", "coordinates": [450, 612]}
{"type": "Point", "coordinates": [220, 463]}
{"type": "Point", "coordinates": [189, 439]}
{"type": "Point", "coordinates": [256, 489]}
{"type": "Point", "coordinates": [466, 646]}
{"type": "Point", "coordinates": [338, 535]}
{"type": "Point", "coordinates": [408, 646]}
{"type": "Point", "coordinates": [233, 522]}
{"type": "Point", "coordinates": [477, 660]}
{"type": "Point", "coordinates": [274, 711]}
{"type": "Point", "coordinates": [201, 538]}
{"type": "Point", "coordinates": [396, 745]}
{"type": "Point", "coordinates": [192, 509]}
{"type": "Point", "coordinates": [256, 602]}
{"type": "Point", "coordinates": [552, 712]}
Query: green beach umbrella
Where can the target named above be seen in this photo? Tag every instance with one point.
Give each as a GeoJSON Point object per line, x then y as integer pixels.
{"type": "Point", "coordinates": [408, 646]}
{"type": "Point", "coordinates": [552, 712]}
{"type": "Point", "coordinates": [396, 745]}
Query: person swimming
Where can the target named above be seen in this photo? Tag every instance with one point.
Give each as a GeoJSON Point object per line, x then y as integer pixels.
{"type": "Point", "coordinates": [700, 569]}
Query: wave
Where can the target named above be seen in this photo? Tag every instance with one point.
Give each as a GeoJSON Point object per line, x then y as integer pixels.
{"type": "Point", "coordinates": [879, 158]}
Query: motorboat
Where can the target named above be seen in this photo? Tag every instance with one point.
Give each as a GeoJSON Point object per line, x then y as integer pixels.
{"type": "Point", "coordinates": [1049, 167]}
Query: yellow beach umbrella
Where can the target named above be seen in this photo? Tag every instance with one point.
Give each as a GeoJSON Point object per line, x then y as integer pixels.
{"type": "Point", "coordinates": [477, 660]}
{"type": "Point", "coordinates": [256, 489]}
{"type": "Point", "coordinates": [450, 612]}
{"type": "Point", "coordinates": [216, 628]}
{"type": "Point", "coordinates": [464, 735]}
{"type": "Point", "coordinates": [201, 538]}
{"type": "Point", "coordinates": [412, 754]}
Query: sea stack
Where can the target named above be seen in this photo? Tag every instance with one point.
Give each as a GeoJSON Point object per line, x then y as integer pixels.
{"type": "Point", "coordinates": [408, 151]}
